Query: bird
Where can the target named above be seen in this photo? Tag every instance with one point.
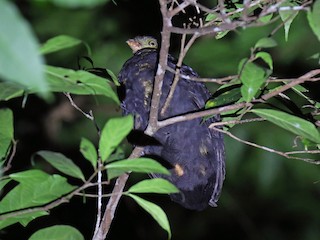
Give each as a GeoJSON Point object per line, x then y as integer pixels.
{"type": "Point", "coordinates": [194, 153]}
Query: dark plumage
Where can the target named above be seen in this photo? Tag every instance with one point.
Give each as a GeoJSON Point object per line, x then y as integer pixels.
{"type": "Point", "coordinates": [194, 152]}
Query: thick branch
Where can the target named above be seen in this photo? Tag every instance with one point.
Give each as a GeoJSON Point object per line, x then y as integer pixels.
{"type": "Point", "coordinates": [163, 58]}
{"type": "Point", "coordinates": [114, 201]}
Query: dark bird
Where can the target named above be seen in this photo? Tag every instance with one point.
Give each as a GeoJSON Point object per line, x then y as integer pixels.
{"type": "Point", "coordinates": [194, 153]}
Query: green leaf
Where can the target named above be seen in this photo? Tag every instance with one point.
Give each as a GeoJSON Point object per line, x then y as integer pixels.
{"type": "Point", "coordinates": [266, 57]}
{"type": "Point", "coordinates": [210, 17]}
{"type": "Point", "coordinates": [291, 123]}
{"type": "Point", "coordinates": [58, 43]}
{"type": "Point", "coordinates": [220, 35]}
{"type": "Point", "coordinates": [6, 131]}
{"type": "Point", "coordinates": [266, 43]}
{"type": "Point", "coordinates": [114, 131]}
{"type": "Point", "coordinates": [3, 183]}
{"type": "Point", "coordinates": [62, 163]}
{"type": "Point", "coordinates": [252, 77]}
{"type": "Point", "coordinates": [78, 82]}
{"type": "Point", "coordinates": [20, 61]}
{"type": "Point", "coordinates": [155, 211]}
{"type": "Point", "coordinates": [113, 77]}
{"type": "Point", "coordinates": [35, 188]}
{"type": "Point", "coordinates": [314, 18]}
{"type": "Point", "coordinates": [287, 17]}
{"type": "Point", "coordinates": [142, 165]}
{"type": "Point", "coordinates": [113, 173]}
{"type": "Point", "coordinates": [78, 3]}
{"type": "Point", "coordinates": [89, 151]}
{"type": "Point", "coordinates": [241, 65]}
{"type": "Point", "coordinates": [57, 232]}
{"type": "Point", "coordinates": [9, 90]}
{"type": "Point", "coordinates": [156, 185]}
{"type": "Point", "coordinates": [118, 154]}
{"type": "Point", "coordinates": [224, 98]}
{"type": "Point", "coordinates": [266, 18]}
{"type": "Point", "coordinates": [23, 219]}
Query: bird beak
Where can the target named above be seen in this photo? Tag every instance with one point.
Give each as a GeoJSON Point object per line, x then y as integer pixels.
{"type": "Point", "coordinates": [134, 45]}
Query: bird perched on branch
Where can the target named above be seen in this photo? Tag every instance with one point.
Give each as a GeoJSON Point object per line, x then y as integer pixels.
{"type": "Point", "coordinates": [193, 152]}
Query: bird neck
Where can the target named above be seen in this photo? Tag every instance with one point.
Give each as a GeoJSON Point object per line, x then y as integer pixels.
{"type": "Point", "coordinates": [145, 50]}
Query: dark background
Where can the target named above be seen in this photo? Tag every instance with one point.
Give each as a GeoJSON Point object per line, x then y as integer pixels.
{"type": "Point", "coordinates": [265, 196]}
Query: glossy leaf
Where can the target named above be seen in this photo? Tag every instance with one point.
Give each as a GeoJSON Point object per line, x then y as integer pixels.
{"type": "Point", "coordinates": [287, 17]}
{"type": "Point", "coordinates": [9, 90]}
{"type": "Point", "coordinates": [23, 219]}
{"type": "Point", "coordinates": [141, 165]}
{"type": "Point", "coordinates": [113, 133]}
{"type": "Point", "coordinates": [57, 232]}
{"type": "Point", "coordinates": [266, 43]}
{"type": "Point", "coordinates": [252, 77]}
{"type": "Point", "coordinates": [291, 123]}
{"type": "Point", "coordinates": [156, 185]}
{"type": "Point", "coordinates": [78, 82]}
{"type": "Point", "coordinates": [89, 151]}
{"type": "Point", "coordinates": [266, 18]}
{"type": "Point", "coordinates": [62, 163]}
{"type": "Point", "coordinates": [266, 57]}
{"type": "Point", "coordinates": [20, 61]}
{"type": "Point", "coordinates": [224, 98]}
{"type": "Point", "coordinates": [155, 211]}
{"type": "Point", "coordinates": [314, 18]}
{"type": "Point", "coordinates": [118, 154]}
{"type": "Point", "coordinates": [58, 43]}
{"type": "Point", "coordinates": [220, 35]}
{"type": "Point", "coordinates": [6, 131]}
{"type": "Point", "coordinates": [211, 17]}
{"type": "Point", "coordinates": [35, 188]}
{"type": "Point", "coordinates": [241, 65]}
{"type": "Point", "coordinates": [113, 77]}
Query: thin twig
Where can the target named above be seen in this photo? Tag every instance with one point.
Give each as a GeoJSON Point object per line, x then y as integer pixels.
{"type": "Point", "coordinates": [216, 124]}
{"type": "Point", "coordinates": [222, 80]}
{"type": "Point", "coordinates": [179, 8]}
{"type": "Point", "coordinates": [97, 195]}
{"type": "Point", "coordinates": [87, 115]}
{"type": "Point", "coordinates": [114, 201]}
{"type": "Point", "coordinates": [306, 77]}
{"type": "Point", "coordinates": [99, 199]}
{"type": "Point", "coordinates": [176, 76]}
{"type": "Point", "coordinates": [183, 51]}
{"type": "Point", "coordinates": [51, 205]}
{"type": "Point", "coordinates": [283, 154]}
{"type": "Point", "coordinates": [13, 153]}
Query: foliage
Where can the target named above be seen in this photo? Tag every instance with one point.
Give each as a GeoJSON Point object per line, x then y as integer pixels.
{"type": "Point", "coordinates": [254, 90]}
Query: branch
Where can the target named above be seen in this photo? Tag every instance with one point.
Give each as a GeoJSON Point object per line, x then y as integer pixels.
{"type": "Point", "coordinates": [163, 58]}
{"type": "Point", "coordinates": [189, 116]}
{"type": "Point", "coordinates": [53, 204]}
{"type": "Point", "coordinates": [204, 113]}
{"type": "Point", "coordinates": [304, 78]}
{"type": "Point", "coordinates": [13, 153]}
{"type": "Point", "coordinates": [114, 201]}
{"type": "Point", "coordinates": [222, 80]}
{"type": "Point", "coordinates": [87, 115]}
{"type": "Point", "coordinates": [99, 200]}
{"type": "Point", "coordinates": [283, 154]}
{"type": "Point", "coordinates": [183, 52]}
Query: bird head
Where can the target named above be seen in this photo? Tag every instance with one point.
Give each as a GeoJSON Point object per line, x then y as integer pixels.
{"type": "Point", "coordinates": [141, 42]}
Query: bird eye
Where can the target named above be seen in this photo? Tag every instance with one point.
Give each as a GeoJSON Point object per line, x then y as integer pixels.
{"type": "Point", "coordinates": [152, 43]}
